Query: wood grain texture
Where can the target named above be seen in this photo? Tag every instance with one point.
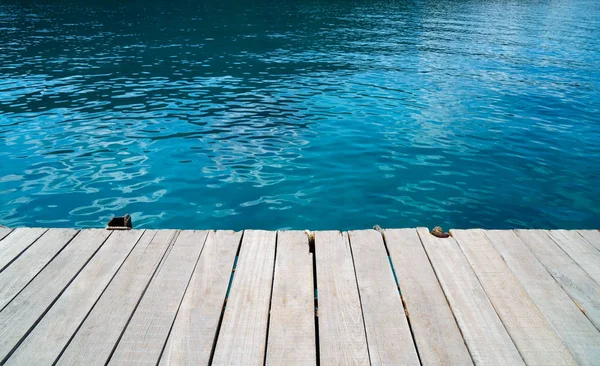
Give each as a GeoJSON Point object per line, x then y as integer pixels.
{"type": "Point", "coordinates": [4, 231]}
{"type": "Point", "coordinates": [195, 328]}
{"type": "Point", "coordinates": [49, 337]}
{"type": "Point", "coordinates": [388, 334]}
{"type": "Point", "coordinates": [98, 335]}
{"type": "Point", "coordinates": [592, 236]}
{"type": "Point", "coordinates": [576, 331]}
{"type": "Point", "coordinates": [31, 262]}
{"type": "Point", "coordinates": [342, 339]}
{"type": "Point", "coordinates": [292, 323]}
{"type": "Point", "coordinates": [16, 243]}
{"type": "Point", "coordinates": [147, 332]}
{"type": "Point", "coordinates": [580, 250]}
{"type": "Point", "coordinates": [17, 318]}
{"type": "Point", "coordinates": [435, 331]}
{"type": "Point", "coordinates": [485, 335]}
{"type": "Point", "coordinates": [576, 282]}
{"type": "Point", "coordinates": [242, 338]}
{"type": "Point", "coordinates": [535, 339]}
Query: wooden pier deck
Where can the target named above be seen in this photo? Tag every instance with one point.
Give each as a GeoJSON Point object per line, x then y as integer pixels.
{"type": "Point", "coordinates": [394, 297]}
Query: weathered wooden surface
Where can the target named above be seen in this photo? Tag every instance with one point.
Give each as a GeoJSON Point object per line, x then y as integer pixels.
{"type": "Point", "coordinates": [576, 331]}
{"type": "Point", "coordinates": [405, 297]}
{"type": "Point", "coordinates": [48, 338]}
{"type": "Point", "coordinates": [192, 338]}
{"type": "Point", "coordinates": [242, 338]}
{"type": "Point", "coordinates": [292, 324]}
{"type": "Point", "coordinates": [435, 331]}
{"type": "Point", "coordinates": [16, 242]}
{"type": "Point", "coordinates": [386, 326]}
{"type": "Point", "coordinates": [535, 339]}
{"type": "Point", "coordinates": [20, 315]}
{"type": "Point", "coordinates": [342, 336]}
{"type": "Point", "coordinates": [94, 342]}
{"type": "Point", "coordinates": [31, 262]}
{"type": "Point", "coordinates": [576, 282]}
{"type": "Point", "coordinates": [147, 331]}
{"type": "Point", "coordinates": [483, 331]}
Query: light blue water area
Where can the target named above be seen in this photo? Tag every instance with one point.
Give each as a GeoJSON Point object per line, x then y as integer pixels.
{"type": "Point", "coordinates": [300, 113]}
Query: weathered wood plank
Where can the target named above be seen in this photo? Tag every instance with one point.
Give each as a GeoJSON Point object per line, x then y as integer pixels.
{"type": "Point", "coordinates": [147, 332]}
{"type": "Point", "coordinates": [342, 339]}
{"type": "Point", "coordinates": [95, 340]}
{"type": "Point", "coordinates": [388, 334]}
{"type": "Point", "coordinates": [242, 338]}
{"type": "Point", "coordinates": [484, 333]}
{"type": "Point", "coordinates": [19, 316]}
{"type": "Point", "coordinates": [577, 283]}
{"type": "Point", "coordinates": [16, 243]}
{"type": "Point", "coordinates": [592, 236]}
{"type": "Point", "coordinates": [580, 250]}
{"type": "Point", "coordinates": [292, 324]}
{"type": "Point", "coordinates": [194, 331]}
{"type": "Point", "coordinates": [535, 339]}
{"type": "Point", "coordinates": [49, 337]}
{"type": "Point", "coordinates": [4, 231]}
{"type": "Point", "coordinates": [579, 335]}
{"type": "Point", "coordinates": [435, 331]}
{"type": "Point", "coordinates": [31, 262]}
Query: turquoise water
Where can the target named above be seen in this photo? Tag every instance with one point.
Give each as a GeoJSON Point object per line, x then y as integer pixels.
{"type": "Point", "coordinates": [300, 114]}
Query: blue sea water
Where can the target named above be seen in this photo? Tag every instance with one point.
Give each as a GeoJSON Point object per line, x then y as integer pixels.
{"type": "Point", "coordinates": [320, 114]}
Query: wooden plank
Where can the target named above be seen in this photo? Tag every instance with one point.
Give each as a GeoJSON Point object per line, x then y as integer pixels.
{"type": "Point", "coordinates": [147, 332]}
{"type": "Point", "coordinates": [435, 331]}
{"type": "Point", "coordinates": [485, 335]}
{"type": "Point", "coordinates": [31, 262]}
{"type": "Point", "coordinates": [592, 236]}
{"type": "Point", "coordinates": [242, 338]}
{"type": "Point", "coordinates": [535, 339]}
{"type": "Point", "coordinates": [4, 231]}
{"type": "Point", "coordinates": [49, 337]}
{"type": "Point", "coordinates": [19, 316]}
{"type": "Point", "coordinates": [342, 339]}
{"type": "Point", "coordinates": [292, 323]}
{"type": "Point", "coordinates": [95, 340]}
{"type": "Point", "coordinates": [580, 250]}
{"type": "Point", "coordinates": [579, 335]}
{"type": "Point", "coordinates": [577, 283]}
{"type": "Point", "coordinates": [194, 331]}
{"type": "Point", "coordinates": [16, 243]}
{"type": "Point", "coordinates": [388, 334]}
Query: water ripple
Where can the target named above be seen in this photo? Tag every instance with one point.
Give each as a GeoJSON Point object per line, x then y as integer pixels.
{"type": "Point", "coordinates": [312, 114]}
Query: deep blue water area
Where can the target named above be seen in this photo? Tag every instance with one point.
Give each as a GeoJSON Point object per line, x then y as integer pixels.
{"type": "Point", "coordinates": [320, 114]}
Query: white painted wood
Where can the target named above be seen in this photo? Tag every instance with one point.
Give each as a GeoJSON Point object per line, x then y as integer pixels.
{"type": "Point", "coordinates": [576, 331]}
{"type": "Point", "coordinates": [342, 339]}
{"type": "Point", "coordinates": [292, 323]}
{"type": "Point", "coordinates": [592, 236]}
{"type": "Point", "coordinates": [31, 262]}
{"type": "Point", "coordinates": [4, 231]}
{"type": "Point", "coordinates": [535, 339]}
{"type": "Point", "coordinates": [580, 250]}
{"type": "Point", "coordinates": [17, 318]}
{"type": "Point", "coordinates": [147, 332]}
{"type": "Point", "coordinates": [388, 334]}
{"type": "Point", "coordinates": [95, 340]}
{"type": "Point", "coordinates": [485, 335]}
{"type": "Point", "coordinates": [45, 342]}
{"type": "Point", "coordinates": [242, 338]}
{"type": "Point", "coordinates": [577, 283]}
{"type": "Point", "coordinates": [435, 331]}
{"type": "Point", "coordinates": [195, 328]}
{"type": "Point", "coordinates": [16, 243]}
